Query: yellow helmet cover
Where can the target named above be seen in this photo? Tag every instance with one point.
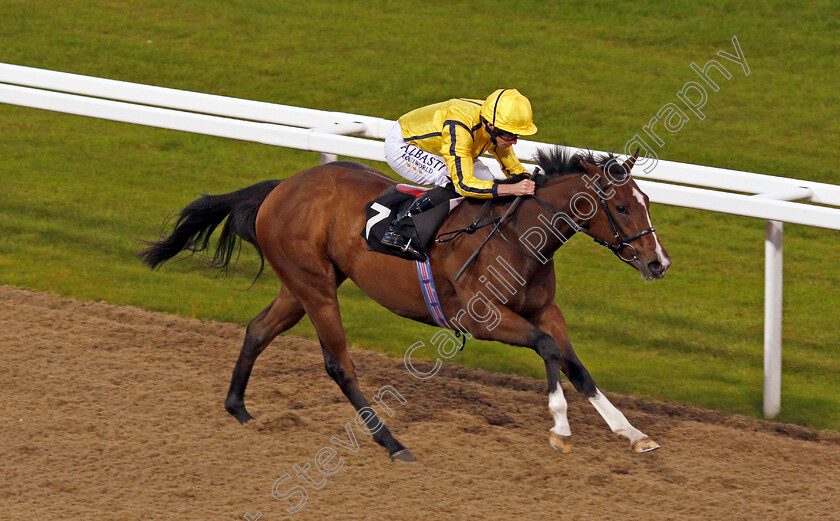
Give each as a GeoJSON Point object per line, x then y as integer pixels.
{"type": "Point", "coordinates": [509, 110]}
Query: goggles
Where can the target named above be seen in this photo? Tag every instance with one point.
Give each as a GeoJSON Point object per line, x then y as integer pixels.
{"type": "Point", "coordinates": [507, 136]}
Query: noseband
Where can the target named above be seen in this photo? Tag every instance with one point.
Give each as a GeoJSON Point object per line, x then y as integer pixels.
{"type": "Point", "coordinates": [622, 240]}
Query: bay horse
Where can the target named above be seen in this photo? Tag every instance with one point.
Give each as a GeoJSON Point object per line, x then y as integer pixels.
{"type": "Point", "coordinates": [308, 228]}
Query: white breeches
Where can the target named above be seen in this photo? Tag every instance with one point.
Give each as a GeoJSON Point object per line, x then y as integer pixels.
{"type": "Point", "coordinates": [421, 167]}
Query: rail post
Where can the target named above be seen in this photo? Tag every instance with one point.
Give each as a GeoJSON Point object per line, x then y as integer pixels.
{"type": "Point", "coordinates": [773, 260]}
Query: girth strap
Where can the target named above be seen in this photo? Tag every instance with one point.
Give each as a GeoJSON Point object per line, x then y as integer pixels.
{"type": "Point", "coordinates": [427, 286]}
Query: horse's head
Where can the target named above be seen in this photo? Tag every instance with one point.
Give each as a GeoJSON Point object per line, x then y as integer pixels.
{"type": "Point", "coordinates": [622, 217]}
{"type": "Point", "coordinates": [608, 206]}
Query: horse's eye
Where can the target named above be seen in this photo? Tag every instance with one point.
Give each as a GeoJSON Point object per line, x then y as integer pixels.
{"type": "Point", "coordinates": [622, 209]}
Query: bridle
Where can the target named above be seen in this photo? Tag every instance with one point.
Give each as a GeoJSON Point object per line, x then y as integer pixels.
{"type": "Point", "coordinates": [622, 241]}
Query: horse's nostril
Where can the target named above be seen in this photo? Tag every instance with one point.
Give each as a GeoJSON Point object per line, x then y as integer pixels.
{"type": "Point", "coordinates": [655, 267]}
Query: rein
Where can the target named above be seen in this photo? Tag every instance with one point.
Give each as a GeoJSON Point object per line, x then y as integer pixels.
{"type": "Point", "coordinates": [469, 230]}
{"type": "Point", "coordinates": [510, 211]}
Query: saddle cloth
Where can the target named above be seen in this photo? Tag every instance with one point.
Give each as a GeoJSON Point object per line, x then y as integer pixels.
{"type": "Point", "coordinates": [421, 228]}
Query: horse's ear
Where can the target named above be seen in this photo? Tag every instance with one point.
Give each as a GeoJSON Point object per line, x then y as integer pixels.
{"type": "Point", "coordinates": [586, 166]}
{"type": "Point", "coordinates": [628, 165]}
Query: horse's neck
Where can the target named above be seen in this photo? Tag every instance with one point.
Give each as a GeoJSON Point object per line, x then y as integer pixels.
{"type": "Point", "coordinates": [529, 222]}
{"type": "Point", "coordinates": [533, 217]}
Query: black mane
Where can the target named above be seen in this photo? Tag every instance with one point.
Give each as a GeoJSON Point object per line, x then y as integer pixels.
{"type": "Point", "coordinates": [558, 161]}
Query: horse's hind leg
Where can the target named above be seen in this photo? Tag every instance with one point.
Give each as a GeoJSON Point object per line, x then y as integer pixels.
{"type": "Point", "coordinates": [283, 313]}
{"type": "Point", "coordinates": [324, 313]}
{"type": "Point", "coordinates": [550, 319]}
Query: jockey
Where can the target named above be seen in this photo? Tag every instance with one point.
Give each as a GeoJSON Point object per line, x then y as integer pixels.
{"type": "Point", "coordinates": [440, 144]}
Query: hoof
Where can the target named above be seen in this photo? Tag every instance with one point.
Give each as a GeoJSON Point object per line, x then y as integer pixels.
{"type": "Point", "coordinates": [240, 413]}
{"type": "Point", "coordinates": [244, 417]}
{"type": "Point", "coordinates": [402, 455]}
{"type": "Point", "coordinates": [644, 445]}
{"type": "Point", "coordinates": [562, 444]}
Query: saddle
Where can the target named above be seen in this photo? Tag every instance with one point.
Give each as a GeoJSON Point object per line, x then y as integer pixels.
{"type": "Point", "coordinates": [421, 228]}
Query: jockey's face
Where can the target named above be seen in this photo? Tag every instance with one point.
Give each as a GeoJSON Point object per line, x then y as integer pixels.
{"type": "Point", "coordinates": [504, 139]}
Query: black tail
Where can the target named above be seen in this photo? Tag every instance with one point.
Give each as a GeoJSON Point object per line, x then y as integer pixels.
{"type": "Point", "coordinates": [201, 217]}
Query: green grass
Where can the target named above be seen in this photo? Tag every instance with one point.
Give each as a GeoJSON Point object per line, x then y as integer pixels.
{"type": "Point", "coordinates": [77, 194]}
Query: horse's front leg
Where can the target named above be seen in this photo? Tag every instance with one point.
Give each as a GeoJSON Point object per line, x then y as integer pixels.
{"type": "Point", "coordinates": [513, 329]}
{"type": "Point", "coordinates": [550, 319]}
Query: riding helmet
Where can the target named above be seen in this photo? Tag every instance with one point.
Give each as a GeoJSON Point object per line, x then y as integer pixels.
{"type": "Point", "coordinates": [510, 111]}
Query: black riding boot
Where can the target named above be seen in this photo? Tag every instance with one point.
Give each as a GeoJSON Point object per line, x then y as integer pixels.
{"type": "Point", "coordinates": [393, 239]}
{"type": "Point", "coordinates": [396, 241]}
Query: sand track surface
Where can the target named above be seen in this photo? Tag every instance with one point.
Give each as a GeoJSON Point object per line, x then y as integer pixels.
{"type": "Point", "coordinates": [117, 413]}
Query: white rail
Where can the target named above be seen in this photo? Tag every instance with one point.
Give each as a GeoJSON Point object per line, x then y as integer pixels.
{"type": "Point", "coordinates": [324, 132]}
{"type": "Point", "coordinates": [376, 128]}
{"type": "Point", "coordinates": [720, 178]}
{"type": "Point", "coordinates": [186, 100]}
{"type": "Point", "coordinates": [267, 133]}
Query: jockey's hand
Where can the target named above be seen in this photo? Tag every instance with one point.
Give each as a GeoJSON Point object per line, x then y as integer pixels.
{"type": "Point", "coordinates": [524, 187]}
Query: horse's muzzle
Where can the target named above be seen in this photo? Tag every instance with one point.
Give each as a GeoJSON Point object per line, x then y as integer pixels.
{"type": "Point", "coordinates": [657, 270]}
